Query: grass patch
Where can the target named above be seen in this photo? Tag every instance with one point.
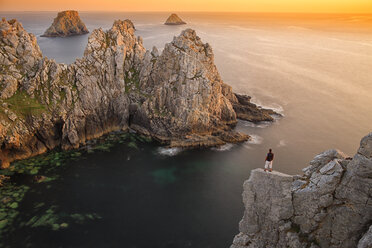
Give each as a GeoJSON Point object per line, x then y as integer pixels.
{"type": "Point", "coordinates": [22, 104]}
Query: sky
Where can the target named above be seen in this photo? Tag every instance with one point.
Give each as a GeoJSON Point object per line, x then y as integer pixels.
{"type": "Point", "coordinates": [305, 6]}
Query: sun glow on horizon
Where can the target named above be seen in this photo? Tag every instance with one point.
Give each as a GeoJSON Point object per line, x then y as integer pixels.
{"type": "Point", "coordinates": [301, 6]}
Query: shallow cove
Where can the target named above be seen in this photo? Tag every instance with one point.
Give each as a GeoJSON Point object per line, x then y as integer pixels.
{"type": "Point", "coordinates": [114, 193]}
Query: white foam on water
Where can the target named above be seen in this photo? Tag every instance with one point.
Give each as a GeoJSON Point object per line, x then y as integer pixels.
{"type": "Point", "coordinates": [262, 124]}
{"type": "Point", "coordinates": [223, 148]}
{"type": "Point", "coordinates": [169, 151]}
{"type": "Point", "coordinates": [255, 139]}
{"type": "Point", "coordinates": [282, 143]}
{"type": "Point", "coordinates": [248, 146]}
{"type": "Point", "coordinates": [274, 106]}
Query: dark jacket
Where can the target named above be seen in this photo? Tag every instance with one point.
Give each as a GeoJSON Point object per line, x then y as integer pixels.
{"type": "Point", "coordinates": [270, 156]}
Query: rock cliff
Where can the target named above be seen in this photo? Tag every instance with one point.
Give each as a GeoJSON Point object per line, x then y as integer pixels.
{"type": "Point", "coordinates": [67, 23]}
{"type": "Point", "coordinates": [329, 206]}
{"type": "Point", "coordinates": [173, 19]}
{"type": "Point", "coordinates": [176, 97]}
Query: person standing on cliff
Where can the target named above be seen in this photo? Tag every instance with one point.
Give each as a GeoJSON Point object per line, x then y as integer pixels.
{"type": "Point", "coordinates": [269, 161]}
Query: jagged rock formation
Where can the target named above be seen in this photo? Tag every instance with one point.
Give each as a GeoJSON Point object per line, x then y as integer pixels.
{"type": "Point", "coordinates": [67, 23]}
{"type": "Point", "coordinates": [174, 19]}
{"type": "Point", "coordinates": [176, 97]}
{"type": "Point", "coordinates": [329, 206]}
{"type": "Point", "coordinates": [245, 110]}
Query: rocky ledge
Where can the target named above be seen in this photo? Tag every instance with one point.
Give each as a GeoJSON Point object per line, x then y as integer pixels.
{"type": "Point", "coordinates": [176, 97]}
{"type": "Point", "coordinates": [329, 206]}
{"type": "Point", "coordinates": [173, 19]}
{"type": "Point", "coordinates": [67, 23]}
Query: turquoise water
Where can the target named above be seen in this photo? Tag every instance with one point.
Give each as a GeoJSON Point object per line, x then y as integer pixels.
{"type": "Point", "coordinates": [313, 69]}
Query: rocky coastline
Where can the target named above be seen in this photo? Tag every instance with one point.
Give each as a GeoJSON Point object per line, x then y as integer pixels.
{"type": "Point", "coordinates": [176, 97]}
{"type": "Point", "coordinates": [329, 206]}
{"type": "Point", "coordinates": [67, 23]}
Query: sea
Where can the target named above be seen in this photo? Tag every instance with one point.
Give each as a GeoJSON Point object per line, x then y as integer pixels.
{"type": "Point", "coordinates": [314, 69]}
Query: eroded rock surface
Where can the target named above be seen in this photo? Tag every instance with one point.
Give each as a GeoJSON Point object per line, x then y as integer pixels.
{"type": "Point", "coordinates": [177, 97]}
{"type": "Point", "coordinates": [329, 206]}
{"type": "Point", "coordinates": [67, 23]}
{"type": "Point", "coordinates": [174, 19]}
{"type": "Point", "coordinates": [366, 240]}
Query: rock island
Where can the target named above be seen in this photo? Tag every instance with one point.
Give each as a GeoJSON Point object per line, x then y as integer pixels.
{"type": "Point", "coordinates": [67, 23]}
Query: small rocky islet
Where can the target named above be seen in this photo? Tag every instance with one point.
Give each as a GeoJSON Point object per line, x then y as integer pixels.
{"type": "Point", "coordinates": [67, 23]}
{"type": "Point", "coordinates": [174, 19]}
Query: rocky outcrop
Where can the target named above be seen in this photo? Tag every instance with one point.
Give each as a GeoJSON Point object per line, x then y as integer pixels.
{"type": "Point", "coordinates": [329, 206]}
{"type": "Point", "coordinates": [245, 110]}
{"type": "Point", "coordinates": [67, 23]}
{"type": "Point", "coordinates": [173, 19]}
{"type": "Point", "coordinates": [177, 97]}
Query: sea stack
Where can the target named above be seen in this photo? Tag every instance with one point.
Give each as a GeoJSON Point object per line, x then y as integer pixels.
{"type": "Point", "coordinates": [67, 23]}
{"type": "Point", "coordinates": [173, 19]}
{"type": "Point", "coordinates": [177, 97]}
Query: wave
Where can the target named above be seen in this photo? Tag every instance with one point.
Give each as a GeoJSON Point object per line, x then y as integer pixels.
{"type": "Point", "coordinates": [262, 124]}
{"type": "Point", "coordinates": [223, 148]}
{"type": "Point", "coordinates": [169, 151]}
{"type": "Point", "coordinates": [255, 139]}
{"type": "Point", "coordinates": [273, 106]}
{"type": "Point", "coordinates": [282, 143]}
{"type": "Point", "coordinates": [247, 146]}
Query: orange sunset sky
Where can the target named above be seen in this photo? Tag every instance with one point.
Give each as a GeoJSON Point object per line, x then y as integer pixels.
{"type": "Point", "coordinates": [323, 6]}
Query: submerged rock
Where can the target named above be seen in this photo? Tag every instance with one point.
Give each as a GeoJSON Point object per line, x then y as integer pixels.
{"type": "Point", "coordinates": [176, 97]}
{"type": "Point", "coordinates": [67, 23]}
{"type": "Point", "coordinates": [173, 19]}
{"type": "Point", "coordinates": [329, 206]}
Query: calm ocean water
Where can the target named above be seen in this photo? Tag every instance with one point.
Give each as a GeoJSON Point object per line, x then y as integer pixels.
{"type": "Point", "coordinates": [315, 69]}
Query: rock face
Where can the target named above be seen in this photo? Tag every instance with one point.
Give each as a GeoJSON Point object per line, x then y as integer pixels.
{"type": "Point", "coordinates": [173, 19]}
{"type": "Point", "coordinates": [67, 23]}
{"type": "Point", "coordinates": [177, 97]}
{"type": "Point", "coordinates": [329, 206]}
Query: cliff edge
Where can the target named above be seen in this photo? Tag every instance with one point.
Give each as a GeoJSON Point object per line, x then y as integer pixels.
{"type": "Point", "coordinates": [329, 206]}
{"type": "Point", "coordinates": [177, 97]}
{"type": "Point", "coordinates": [67, 23]}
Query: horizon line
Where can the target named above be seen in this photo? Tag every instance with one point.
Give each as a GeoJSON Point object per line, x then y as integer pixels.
{"type": "Point", "coordinates": [193, 11]}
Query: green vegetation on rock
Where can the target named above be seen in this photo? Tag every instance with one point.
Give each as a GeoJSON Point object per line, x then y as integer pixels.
{"type": "Point", "coordinates": [23, 105]}
{"type": "Point", "coordinates": [132, 81]}
{"type": "Point", "coordinates": [43, 169]}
